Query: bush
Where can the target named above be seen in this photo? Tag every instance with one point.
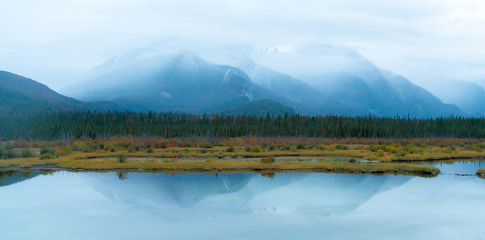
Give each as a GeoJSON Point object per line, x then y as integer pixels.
{"type": "Point", "coordinates": [446, 150]}
{"type": "Point", "coordinates": [300, 146]}
{"type": "Point", "coordinates": [93, 147]}
{"type": "Point", "coordinates": [25, 153]}
{"type": "Point", "coordinates": [46, 156]}
{"type": "Point", "coordinates": [131, 149]}
{"type": "Point", "coordinates": [267, 160]}
{"type": "Point", "coordinates": [247, 149]}
{"type": "Point", "coordinates": [122, 158]}
{"type": "Point", "coordinates": [341, 147]}
{"type": "Point", "coordinates": [374, 148]}
{"type": "Point", "coordinates": [2, 152]}
{"type": "Point", "coordinates": [230, 149]}
{"type": "Point", "coordinates": [256, 149]}
{"type": "Point", "coordinates": [410, 148]}
{"type": "Point", "coordinates": [380, 153]}
{"type": "Point", "coordinates": [46, 150]}
{"type": "Point", "coordinates": [9, 154]}
{"type": "Point", "coordinates": [150, 150]}
{"type": "Point", "coordinates": [400, 154]}
{"type": "Point", "coordinates": [8, 146]}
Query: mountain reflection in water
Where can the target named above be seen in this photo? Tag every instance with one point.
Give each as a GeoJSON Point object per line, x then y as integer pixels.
{"type": "Point", "coordinates": [67, 205]}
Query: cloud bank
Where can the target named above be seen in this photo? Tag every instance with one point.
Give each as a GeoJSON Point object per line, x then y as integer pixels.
{"type": "Point", "coordinates": [56, 42]}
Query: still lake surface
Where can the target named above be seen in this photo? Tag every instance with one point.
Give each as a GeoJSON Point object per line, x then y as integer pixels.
{"type": "Point", "coordinates": [67, 205]}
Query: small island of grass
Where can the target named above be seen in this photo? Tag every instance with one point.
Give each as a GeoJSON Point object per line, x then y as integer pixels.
{"type": "Point", "coordinates": [481, 173]}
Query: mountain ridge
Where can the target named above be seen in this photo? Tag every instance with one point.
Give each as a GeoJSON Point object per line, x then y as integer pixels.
{"type": "Point", "coordinates": [24, 95]}
{"type": "Point", "coordinates": [182, 81]}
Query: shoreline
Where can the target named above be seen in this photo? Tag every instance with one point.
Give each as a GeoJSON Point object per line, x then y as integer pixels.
{"type": "Point", "coordinates": [239, 167]}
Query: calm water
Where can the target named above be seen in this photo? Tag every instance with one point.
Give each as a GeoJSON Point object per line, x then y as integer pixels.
{"type": "Point", "coordinates": [65, 205]}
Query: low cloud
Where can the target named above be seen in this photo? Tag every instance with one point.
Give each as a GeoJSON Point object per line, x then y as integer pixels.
{"type": "Point", "coordinates": [57, 42]}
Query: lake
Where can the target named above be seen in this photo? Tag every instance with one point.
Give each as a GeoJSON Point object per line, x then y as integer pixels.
{"type": "Point", "coordinates": [79, 205]}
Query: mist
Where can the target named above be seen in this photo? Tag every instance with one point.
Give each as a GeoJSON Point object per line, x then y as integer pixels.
{"type": "Point", "coordinates": [57, 43]}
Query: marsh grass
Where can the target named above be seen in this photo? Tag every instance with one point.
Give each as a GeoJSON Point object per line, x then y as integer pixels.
{"type": "Point", "coordinates": [247, 153]}
{"type": "Point", "coordinates": [201, 166]}
{"type": "Point", "coordinates": [481, 173]}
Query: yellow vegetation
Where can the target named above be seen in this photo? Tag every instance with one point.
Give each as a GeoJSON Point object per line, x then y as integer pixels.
{"type": "Point", "coordinates": [248, 154]}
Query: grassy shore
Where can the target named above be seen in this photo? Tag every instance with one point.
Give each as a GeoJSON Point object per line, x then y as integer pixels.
{"type": "Point", "coordinates": [70, 163]}
{"type": "Point", "coordinates": [242, 154]}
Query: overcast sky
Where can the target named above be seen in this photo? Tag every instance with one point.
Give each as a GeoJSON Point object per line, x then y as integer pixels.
{"type": "Point", "coordinates": [56, 42]}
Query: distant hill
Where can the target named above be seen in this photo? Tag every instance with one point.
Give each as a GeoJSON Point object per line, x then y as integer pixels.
{"type": "Point", "coordinates": [333, 80]}
{"type": "Point", "coordinates": [470, 97]}
{"type": "Point", "coordinates": [260, 108]}
{"type": "Point", "coordinates": [23, 95]}
{"type": "Point", "coordinates": [379, 93]}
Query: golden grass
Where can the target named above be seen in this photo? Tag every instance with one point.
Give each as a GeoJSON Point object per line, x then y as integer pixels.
{"type": "Point", "coordinates": [217, 158]}
{"type": "Point", "coordinates": [431, 154]}
{"type": "Point", "coordinates": [72, 163]}
{"type": "Point", "coordinates": [481, 173]}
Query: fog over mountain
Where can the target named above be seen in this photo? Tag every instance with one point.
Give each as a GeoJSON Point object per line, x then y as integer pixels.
{"type": "Point", "coordinates": [311, 80]}
{"type": "Point", "coordinates": [344, 57]}
{"type": "Point", "coordinates": [315, 80]}
{"type": "Point", "coordinates": [171, 81]}
{"type": "Point", "coordinates": [338, 80]}
{"type": "Point", "coordinates": [467, 96]}
{"type": "Point", "coordinates": [57, 42]}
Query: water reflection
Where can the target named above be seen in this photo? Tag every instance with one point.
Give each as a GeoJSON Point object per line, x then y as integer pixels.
{"type": "Point", "coordinates": [460, 167]}
{"type": "Point", "coordinates": [131, 205]}
{"type": "Point", "coordinates": [331, 193]}
{"type": "Point", "coordinates": [12, 177]}
{"type": "Point", "coordinates": [183, 189]}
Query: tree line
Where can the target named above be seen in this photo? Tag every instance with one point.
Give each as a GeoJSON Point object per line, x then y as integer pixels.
{"type": "Point", "coordinates": [55, 125]}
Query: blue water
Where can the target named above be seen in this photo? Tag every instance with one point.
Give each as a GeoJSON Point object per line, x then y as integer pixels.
{"type": "Point", "coordinates": [66, 205]}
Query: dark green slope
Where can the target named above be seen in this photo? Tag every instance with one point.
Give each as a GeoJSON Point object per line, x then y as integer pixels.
{"type": "Point", "coordinates": [22, 95]}
{"type": "Point", "coordinates": [260, 108]}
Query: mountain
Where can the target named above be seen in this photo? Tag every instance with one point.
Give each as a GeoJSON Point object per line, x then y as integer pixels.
{"type": "Point", "coordinates": [308, 99]}
{"type": "Point", "coordinates": [311, 80]}
{"type": "Point", "coordinates": [181, 82]}
{"type": "Point", "coordinates": [338, 80]}
{"type": "Point", "coordinates": [379, 93]}
{"type": "Point", "coordinates": [466, 95]}
{"type": "Point", "coordinates": [260, 108]}
{"type": "Point", "coordinates": [23, 95]}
